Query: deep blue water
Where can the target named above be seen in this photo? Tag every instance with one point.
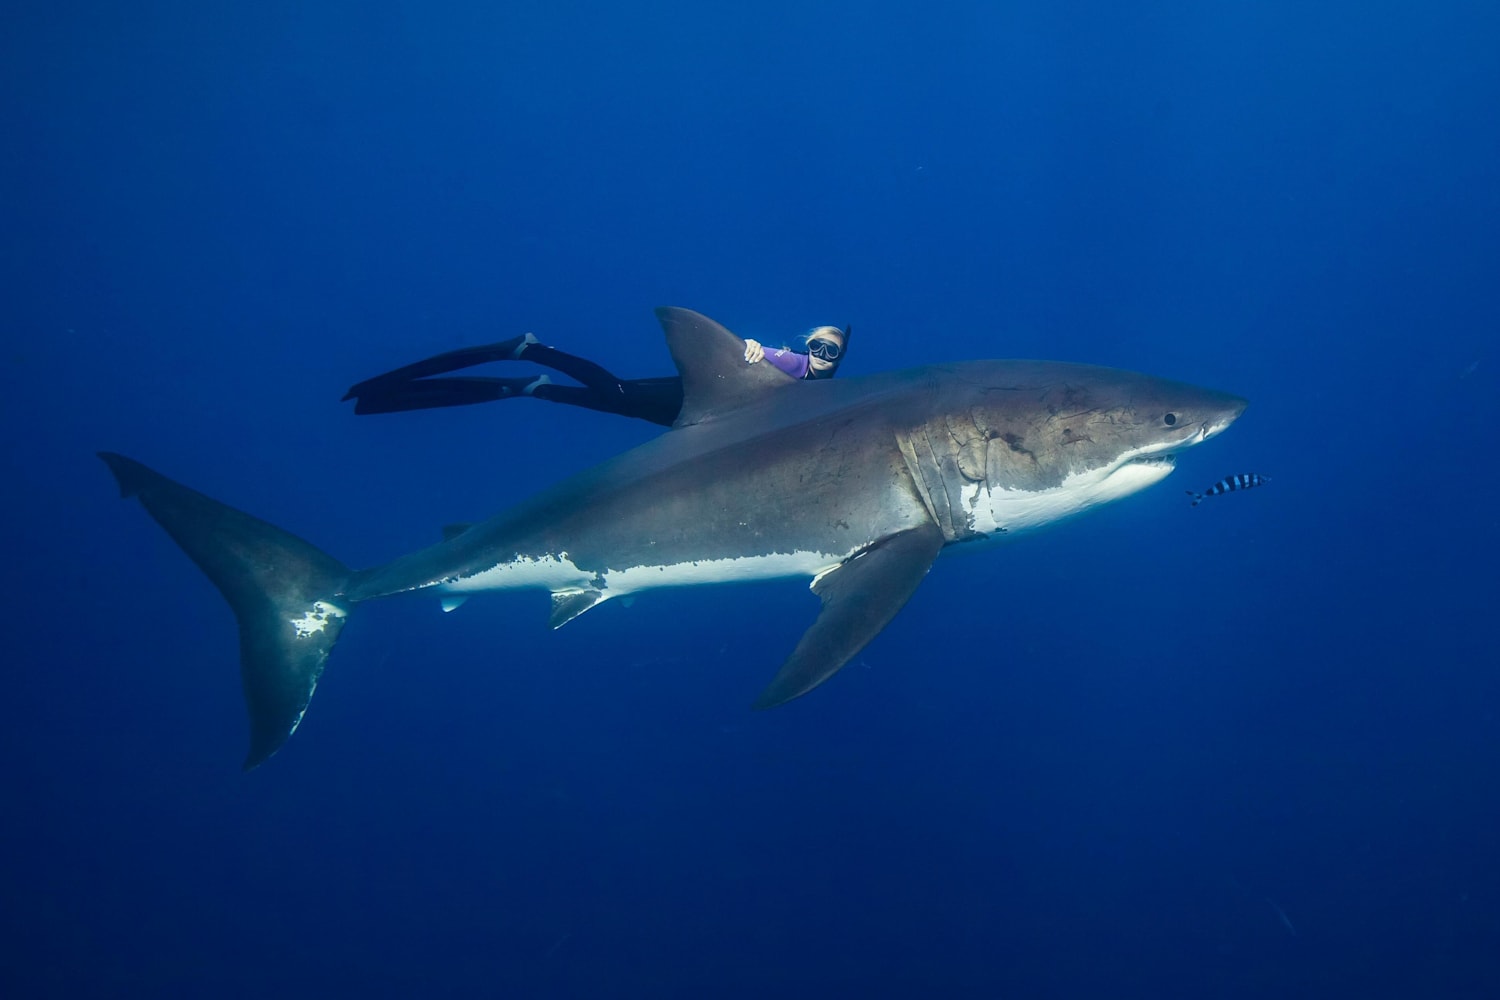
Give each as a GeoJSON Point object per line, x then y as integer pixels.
{"type": "Point", "coordinates": [1244, 750]}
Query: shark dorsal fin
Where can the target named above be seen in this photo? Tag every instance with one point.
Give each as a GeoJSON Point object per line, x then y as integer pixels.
{"type": "Point", "coordinates": [715, 378]}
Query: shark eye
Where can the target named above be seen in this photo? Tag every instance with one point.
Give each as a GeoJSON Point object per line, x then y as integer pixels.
{"type": "Point", "coordinates": [1170, 419]}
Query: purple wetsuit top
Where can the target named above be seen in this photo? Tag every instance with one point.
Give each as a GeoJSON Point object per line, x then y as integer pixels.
{"type": "Point", "coordinates": [791, 362]}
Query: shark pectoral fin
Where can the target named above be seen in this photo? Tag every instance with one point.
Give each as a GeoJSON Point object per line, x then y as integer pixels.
{"type": "Point", "coordinates": [567, 605]}
{"type": "Point", "coordinates": [859, 599]}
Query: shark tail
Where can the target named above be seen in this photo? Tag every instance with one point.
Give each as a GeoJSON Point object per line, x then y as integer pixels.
{"type": "Point", "coordinates": [285, 593]}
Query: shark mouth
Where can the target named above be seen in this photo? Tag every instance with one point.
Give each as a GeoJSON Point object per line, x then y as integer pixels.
{"type": "Point", "coordinates": [1167, 459]}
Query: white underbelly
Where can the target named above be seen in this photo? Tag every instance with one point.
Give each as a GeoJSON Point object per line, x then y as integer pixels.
{"type": "Point", "coordinates": [560, 575]}
{"type": "Point", "coordinates": [1014, 511]}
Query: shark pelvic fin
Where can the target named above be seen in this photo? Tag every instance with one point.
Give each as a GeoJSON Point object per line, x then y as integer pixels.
{"type": "Point", "coordinates": [569, 605]}
{"type": "Point", "coordinates": [859, 598]}
{"type": "Point", "coordinates": [286, 595]}
{"type": "Point", "coordinates": [711, 360]}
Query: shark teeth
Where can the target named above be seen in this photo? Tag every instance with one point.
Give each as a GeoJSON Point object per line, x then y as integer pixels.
{"type": "Point", "coordinates": [1170, 458]}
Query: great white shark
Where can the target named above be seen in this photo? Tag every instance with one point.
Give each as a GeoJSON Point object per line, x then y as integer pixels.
{"type": "Point", "coordinates": [856, 483]}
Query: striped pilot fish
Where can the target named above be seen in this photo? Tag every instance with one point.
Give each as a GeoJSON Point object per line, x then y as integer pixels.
{"type": "Point", "coordinates": [1229, 484]}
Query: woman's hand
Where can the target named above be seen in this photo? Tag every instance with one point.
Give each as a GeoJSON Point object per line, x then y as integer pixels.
{"type": "Point", "coordinates": [753, 351]}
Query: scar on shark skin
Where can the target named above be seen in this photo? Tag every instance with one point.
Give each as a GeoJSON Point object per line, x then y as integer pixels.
{"type": "Point", "coordinates": [318, 618]}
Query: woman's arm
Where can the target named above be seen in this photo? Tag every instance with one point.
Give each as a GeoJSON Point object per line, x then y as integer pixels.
{"type": "Point", "coordinates": [791, 362]}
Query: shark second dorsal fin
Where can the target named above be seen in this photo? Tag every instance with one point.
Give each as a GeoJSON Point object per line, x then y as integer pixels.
{"type": "Point", "coordinates": [711, 360]}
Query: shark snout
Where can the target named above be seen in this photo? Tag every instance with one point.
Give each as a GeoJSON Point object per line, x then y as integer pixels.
{"type": "Point", "coordinates": [1225, 411]}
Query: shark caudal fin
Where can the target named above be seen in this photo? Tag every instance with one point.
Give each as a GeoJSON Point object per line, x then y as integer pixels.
{"type": "Point", "coordinates": [284, 593]}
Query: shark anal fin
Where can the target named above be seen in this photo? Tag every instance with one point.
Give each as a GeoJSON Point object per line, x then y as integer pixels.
{"type": "Point", "coordinates": [454, 601]}
{"type": "Point", "coordinates": [859, 599]}
{"type": "Point", "coordinates": [569, 605]}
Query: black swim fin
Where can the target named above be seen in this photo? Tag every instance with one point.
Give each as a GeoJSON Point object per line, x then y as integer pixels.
{"type": "Point", "coordinates": [450, 361]}
{"type": "Point", "coordinates": [427, 394]}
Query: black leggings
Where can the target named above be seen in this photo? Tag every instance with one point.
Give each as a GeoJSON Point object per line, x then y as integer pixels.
{"type": "Point", "coordinates": [411, 388]}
